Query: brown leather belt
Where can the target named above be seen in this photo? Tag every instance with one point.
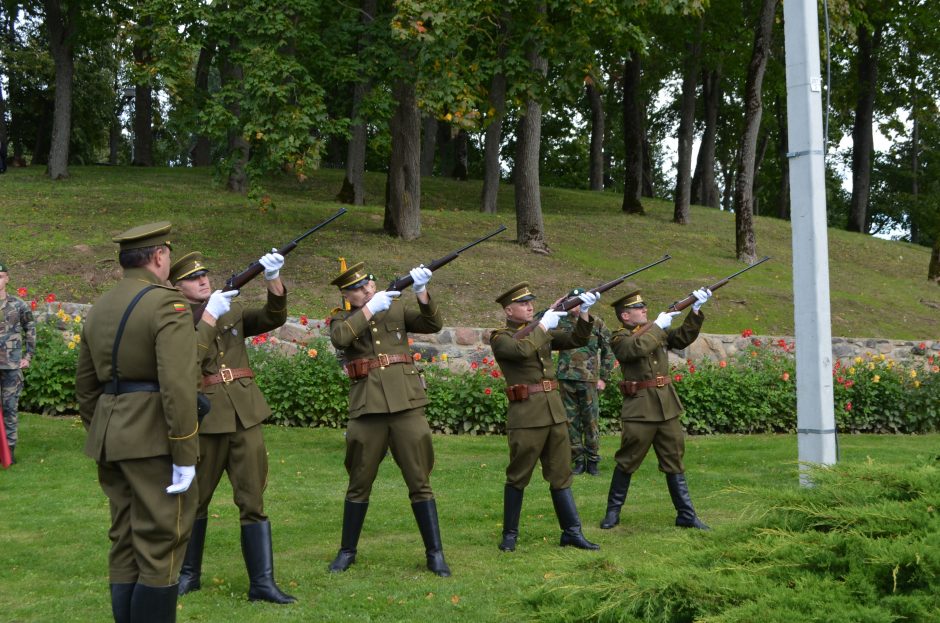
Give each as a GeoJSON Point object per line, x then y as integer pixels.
{"type": "Point", "coordinates": [227, 375]}
{"type": "Point", "coordinates": [358, 368]}
{"type": "Point", "coordinates": [630, 388]}
{"type": "Point", "coordinates": [522, 391]}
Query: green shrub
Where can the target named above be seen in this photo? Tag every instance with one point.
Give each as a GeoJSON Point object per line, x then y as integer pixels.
{"type": "Point", "coordinates": [49, 381]}
{"type": "Point", "coordinates": [472, 402]}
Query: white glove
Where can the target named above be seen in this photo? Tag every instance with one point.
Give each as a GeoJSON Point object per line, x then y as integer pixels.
{"type": "Point", "coordinates": [272, 262]}
{"type": "Point", "coordinates": [701, 297]}
{"type": "Point", "coordinates": [588, 299]}
{"type": "Point", "coordinates": [665, 319]}
{"type": "Point", "coordinates": [421, 276]}
{"type": "Point", "coordinates": [382, 300]}
{"type": "Point", "coordinates": [550, 319]}
{"type": "Point", "coordinates": [220, 302]}
{"type": "Point", "coordinates": [182, 477]}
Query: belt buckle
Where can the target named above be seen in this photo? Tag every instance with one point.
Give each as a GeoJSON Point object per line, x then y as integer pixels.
{"type": "Point", "coordinates": [383, 361]}
{"type": "Point", "coordinates": [227, 378]}
{"type": "Point", "coordinates": [547, 385]}
{"type": "Point", "coordinates": [660, 381]}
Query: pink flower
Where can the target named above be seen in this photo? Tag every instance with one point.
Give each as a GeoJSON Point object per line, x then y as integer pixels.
{"type": "Point", "coordinates": [840, 380]}
{"type": "Point", "coordinates": [848, 406]}
{"type": "Point", "coordinates": [849, 383]}
{"type": "Point", "coordinates": [786, 376]}
{"type": "Point", "coordinates": [21, 292]}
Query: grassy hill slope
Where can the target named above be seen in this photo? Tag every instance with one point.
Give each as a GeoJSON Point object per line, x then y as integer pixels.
{"type": "Point", "coordinates": [57, 238]}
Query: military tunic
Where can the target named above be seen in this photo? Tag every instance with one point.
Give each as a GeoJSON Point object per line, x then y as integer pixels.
{"type": "Point", "coordinates": [136, 437]}
{"type": "Point", "coordinates": [230, 436]}
{"type": "Point", "coordinates": [578, 371]}
{"type": "Point", "coordinates": [538, 426]}
{"type": "Point", "coordinates": [386, 407]}
{"type": "Point", "coordinates": [17, 341]}
{"type": "Point", "coordinates": [651, 416]}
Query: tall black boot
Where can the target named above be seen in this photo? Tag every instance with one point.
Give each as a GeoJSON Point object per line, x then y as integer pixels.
{"type": "Point", "coordinates": [191, 571]}
{"type": "Point", "coordinates": [121, 602]}
{"type": "Point", "coordinates": [259, 559]}
{"type": "Point", "coordinates": [591, 464]}
{"type": "Point", "coordinates": [569, 521]}
{"type": "Point", "coordinates": [154, 604]}
{"type": "Point", "coordinates": [426, 516]}
{"type": "Point", "coordinates": [354, 514]}
{"type": "Point", "coordinates": [685, 512]}
{"type": "Point", "coordinates": [619, 484]}
{"type": "Point", "coordinates": [512, 508]}
{"type": "Point", "coordinates": [578, 468]}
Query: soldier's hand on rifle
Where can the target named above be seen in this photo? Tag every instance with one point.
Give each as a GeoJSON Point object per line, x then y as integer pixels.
{"type": "Point", "coordinates": [220, 302]}
{"type": "Point", "coordinates": [701, 297]}
{"type": "Point", "coordinates": [421, 277]}
{"type": "Point", "coordinates": [382, 300]}
{"type": "Point", "coordinates": [272, 262]}
{"type": "Point", "coordinates": [550, 319]}
{"type": "Point", "coordinates": [182, 477]}
{"type": "Point", "coordinates": [665, 319]}
{"type": "Point", "coordinates": [588, 299]}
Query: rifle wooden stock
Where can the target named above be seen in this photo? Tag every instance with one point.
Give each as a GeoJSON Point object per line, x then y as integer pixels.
{"type": "Point", "coordinates": [238, 280]}
{"type": "Point", "coordinates": [678, 306]}
{"type": "Point", "coordinates": [570, 302]}
{"type": "Point", "coordinates": [401, 283]}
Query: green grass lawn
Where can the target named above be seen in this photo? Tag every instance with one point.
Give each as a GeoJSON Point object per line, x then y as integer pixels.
{"type": "Point", "coordinates": [54, 537]}
{"type": "Point", "coordinates": [57, 238]}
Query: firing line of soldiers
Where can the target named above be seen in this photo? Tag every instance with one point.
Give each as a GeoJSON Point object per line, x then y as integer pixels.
{"type": "Point", "coordinates": [164, 335]}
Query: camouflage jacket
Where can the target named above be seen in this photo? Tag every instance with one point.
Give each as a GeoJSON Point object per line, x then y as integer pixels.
{"type": "Point", "coordinates": [587, 363]}
{"type": "Point", "coordinates": [17, 332]}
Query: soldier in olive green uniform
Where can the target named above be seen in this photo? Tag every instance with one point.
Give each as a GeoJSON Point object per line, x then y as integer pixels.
{"type": "Point", "coordinates": [536, 424]}
{"type": "Point", "coordinates": [582, 373]}
{"type": "Point", "coordinates": [136, 387]}
{"type": "Point", "coordinates": [651, 406]}
{"type": "Point", "coordinates": [386, 403]}
{"type": "Point", "coordinates": [17, 345]}
{"type": "Point", "coordinates": [230, 437]}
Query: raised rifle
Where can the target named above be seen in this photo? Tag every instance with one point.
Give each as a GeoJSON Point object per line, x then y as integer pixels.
{"type": "Point", "coordinates": [571, 302]}
{"type": "Point", "coordinates": [401, 283]}
{"type": "Point", "coordinates": [678, 306]}
{"type": "Point", "coordinates": [238, 280]}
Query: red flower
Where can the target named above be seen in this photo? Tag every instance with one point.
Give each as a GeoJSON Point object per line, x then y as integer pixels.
{"type": "Point", "coordinates": [417, 356]}
{"type": "Point", "coordinates": [303, 319]}
{"type": "Point", "coordinates": [786, 376]}
{"type": "Point", "coordinates": [782, 343]}
{"type": "Point", "coordinates": [838, 365]}
{"type": "Point", "coordinates": [495, 374]}
{"type": "Point", "coordinates": [849, 383]}
{"type": "Point", "coordinates": [50, 298]}
{"type": "Point", "coordinates": [840, 381]}
{"type": "Point", "coordinates": [474, 365]}
{"type": "Point", "coordinates": [930, 359]}
{"type": "Point", "coordinates": [32, 304]}
{"type": "Point", "coordinates": [328, 320]}
{"type": "Point", "coordinates": [678, 378]}
{"type": "Point", "coordinates": [485, 360]}
{"type": "Point", "coordinates": [922, 345]}
{"type": "Point", "coordinates": [487, 391]}
{"type": "Point", "coordinates": [747, 333]}
{"type": "Point", "coordinates": [848, 406]}
{"type": "Point", "coordinates": [755, 342]}
{"type": "Point", "coordinates": [21, 292]}
{"type": "Point", "coordinates": [691, 369]}
{"type": "Point", "coordinates": [722, 364]}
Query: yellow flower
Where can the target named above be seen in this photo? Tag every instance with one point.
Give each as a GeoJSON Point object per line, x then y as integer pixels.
{"type": "Point", "coordinates": [71, 345]}
{"type": "Point", "coordinates": [881, 357]}
{"type": "Point", "coordinates": [76, 338]}
{"type": "Point", "coordinates": [871, 366]}
{"type": "Point", "coordinates": [852, 370]}
{"type": "Point", "coordinates": [876, 378]}
{"type": "Point", "coordinates": [858, 360]}
{"type": "Point", "coordinates": [443, 356]}
{"type": "Point", "coordinates": [77, 318]}
{"type": "Point", "coordinates": [913, 374]}
{"type": "Point", "coordinates": [916, 383]}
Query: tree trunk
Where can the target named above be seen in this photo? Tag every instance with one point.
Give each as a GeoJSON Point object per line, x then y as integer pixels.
{"type": "Point", "coordinates": [863, 145]}
{"type": "Point", "coordinates": [201, 153]}
{"type": "Point", "coordinates": [745, 239]}
{"type": "Point", "coordinates": [403, 200]}
{"type": "Point", "coordinates": [353, 191]}
{"type": "Point", "coordinates": [4, 136]}
{"type": "Point", "coordinates": [461, 162]}
{"type": "Point", "coordinates": [428, 145]}
{"type": "Point", "coordinates": [915, 172]}
{"type": "Point", "coordinates": [143, 102]}
{"type": "Point", "coordinates": [632, 136]}
{"type": "Point", "coordinates": [704, 187]}
{"type": "Point", "coordinates": [114, 140]}
{"type": "Point", "coordinates": [494, 139]}
{"type": "Point", "coordinates": [596, 176]}
{"type": "Point", "coordinates": [933, 270]}
{"type": "Point", "coordinates": [783, 191]}
{"type": "Point", "coordinates": [681, 214]}
{"type": "Point", "coordinates": [758, 161]}
{"type": "Point", "coordinates": [61, 36]}
{"type": "Point", "coordinates": [238, 146]}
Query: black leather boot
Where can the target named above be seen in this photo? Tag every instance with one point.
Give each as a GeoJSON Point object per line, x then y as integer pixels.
{"type": "Point", "coordinates": [685, 512]}
{"type": "Point", "coordinates": [259, 559]}
{"type": "Point", "coordinates": [191, 571]}
{"type": "Point", "coordinates": [619, 484]}
{"type": "Point", "coordinates": [121, 595]}
{"type": "Point", "coordinates": [512, 508]}
{"type": "Point", "coordinates": [354, 514]}
{"type": "Point", "coordinates": [569, 521]}
{"type": "Point", "coordinates": [426, 516]}
{"type": "Point", "coordinates": [592, 465]}
{"type": "Point", "coordinates": [154, 604]}
{"type": "Point", "coordinates": [578, 468]}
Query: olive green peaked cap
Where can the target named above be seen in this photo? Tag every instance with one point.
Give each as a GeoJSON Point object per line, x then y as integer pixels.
{"type": "Point", "coordinates": [150, 235]}
{"type": "Point", "coordinates": [353, 277]}
{"type": "Point", "coordinates": [189, 266]}
{"type": "Point", "coordinates": [516, 294]}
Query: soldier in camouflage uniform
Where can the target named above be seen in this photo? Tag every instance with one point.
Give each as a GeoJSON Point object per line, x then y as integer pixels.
{"type": "Point", "coordinates": [17, 333]}
{"type": "Point", "coordinates": [582, 373]}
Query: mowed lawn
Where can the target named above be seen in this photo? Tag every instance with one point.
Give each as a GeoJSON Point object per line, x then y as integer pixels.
{"type": "Point", "coordinates": [54, 533]}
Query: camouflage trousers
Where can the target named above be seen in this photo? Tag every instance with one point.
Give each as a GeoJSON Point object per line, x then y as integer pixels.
{"type": "Point", "coordinates": [11, 384]}
{"type": "Point", "coordinates": [582, 407]}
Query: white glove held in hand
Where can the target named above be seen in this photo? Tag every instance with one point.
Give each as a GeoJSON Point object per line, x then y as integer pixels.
{"type": "Point", "coordinates": [272, 262]}
{"type": "Point", "coordinates": [182, 477]}
{"type": "Point", "coordinates": [588, 299]}
{"type": "Point", "coordinates": [421, 276]}
{"type": "Point", "coordinates": [550, 319]}
{"type": "Point", "coordinates": [665, 319]}
{"type": "Point", "coordinates": [701, 297]}
{"type": "Point", "coordinates": [382, 300]}
{"type": "Point", "coordinates": [220, 302]}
